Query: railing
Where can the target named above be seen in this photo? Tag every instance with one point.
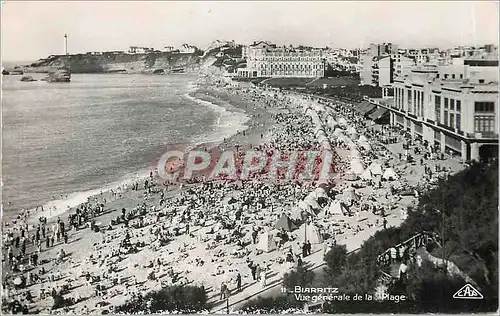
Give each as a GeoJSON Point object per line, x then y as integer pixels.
{"type": "Point", "coordinates": [409, 245]}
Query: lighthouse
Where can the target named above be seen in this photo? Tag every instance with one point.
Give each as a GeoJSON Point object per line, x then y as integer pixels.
{"type": "Point", "coordinates": [66, 44]}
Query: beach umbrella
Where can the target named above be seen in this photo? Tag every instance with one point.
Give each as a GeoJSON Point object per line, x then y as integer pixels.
{"type": "Point", "coordinates": [304, 206]}
{"type": "Point", "coordinates": [363, 139]}
{"type": "Point", "coordinates": [296, 213]}
{"type": "Point", "coordinates": [311, 233]}
{"type": "Point", "coordinates": [355, 153]}
{"type": "Point", "coordinates": [285, 223]}
{"type": "Point", "coordinates": [357, 166]}
{"type": "Point", "coordinates": [349, 193]}
{"type": "Point", "coordinates": [331, 122]}
{"type": "Point", "coordinates": [311, 200]}
{"type": "Point", "coordinates": [342, 122]}
{"type": "Point", "coordinates": [326, 145]}
{"type": "Point", "coordinates": [376, 169]}
{"type": "Point", "coordinates": [337, 208]}
{"type": "Point", "coordinates": [320, 192]}
{"type": "Point", "coordinates": [266, 242]}
{"type": "Point", "coordinates": [337, 132]}
{"type": "Point", "coordinates": [367, 175]}
{"type": "Point", "coordinates": [390, 174]}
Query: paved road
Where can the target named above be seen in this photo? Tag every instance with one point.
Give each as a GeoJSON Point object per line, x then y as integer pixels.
{"type": "Point", "coordinates": [272, 291]}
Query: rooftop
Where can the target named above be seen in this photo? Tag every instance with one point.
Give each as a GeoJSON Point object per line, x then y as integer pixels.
{"type": "Point", "coordinates": [466, 84]}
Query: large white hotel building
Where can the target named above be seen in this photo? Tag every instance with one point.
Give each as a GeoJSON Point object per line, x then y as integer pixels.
{"type": "Point", "coordinates": [269, 60]}
{"type": "Point", "coordinates": [453, 107]}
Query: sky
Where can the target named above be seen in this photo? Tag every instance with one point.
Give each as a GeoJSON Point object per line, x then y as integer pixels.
{"type": "Point", "coordinates": [33, 30]}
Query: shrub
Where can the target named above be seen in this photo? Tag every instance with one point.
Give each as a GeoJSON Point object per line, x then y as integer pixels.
{"type": "Point", "coordinates": [171, 298]}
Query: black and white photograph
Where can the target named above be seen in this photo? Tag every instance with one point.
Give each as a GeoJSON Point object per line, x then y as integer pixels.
{"type": "Point", "coordinates": [253, 157]}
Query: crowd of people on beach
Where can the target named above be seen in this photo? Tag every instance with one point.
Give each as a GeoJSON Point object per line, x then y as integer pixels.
{"type": "Point", "coordinates": [221, 234]}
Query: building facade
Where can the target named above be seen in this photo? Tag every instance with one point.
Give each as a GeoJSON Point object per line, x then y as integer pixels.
{"type": "Point", "coordinates": [456, 114]}
{"type": "Point", "coordinates": [140, 50]}
{"type": "Point", "coordinates": [187, 49]}
{"type": "Point", "coordinates": [381, 63]}
{"type": "Point", "coordinates": [268, 60]}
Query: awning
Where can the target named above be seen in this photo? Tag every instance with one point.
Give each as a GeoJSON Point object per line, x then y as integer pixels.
{"type": "Point", "coordinates": [378, 113]}
{"type": "Point", "coordinates": [365, 107]}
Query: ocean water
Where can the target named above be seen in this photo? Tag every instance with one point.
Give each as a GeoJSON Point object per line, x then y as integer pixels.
{"type": "Point", "coordinates": [63, 142]}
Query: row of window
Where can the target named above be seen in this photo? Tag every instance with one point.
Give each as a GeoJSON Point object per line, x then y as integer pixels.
{"type": "Point", "coordinates": [399, 98]}
{"type": "Point", "coordinates": [287, 66]}
{"type": "Point", "coordinates": [452, 108]}
{"type": "Point", "coordinates": [285, 58]}
{"type": "Point", "coordinates": [453, 120]}
{"type": "Point", "coordinates": [418, 103]}
{"type": "Point", "coordinates": [484, 124]}
{"type": "Point", "coordinates": [293, 60]}
{"type": "Point", "coordinates": [291, 73]}
{"type": "Point", "coordinates": [450, 104]}
{"type": "Point", "coordinates": [453, 76]}
{"type": "Point", "coordinates": [486, 107]}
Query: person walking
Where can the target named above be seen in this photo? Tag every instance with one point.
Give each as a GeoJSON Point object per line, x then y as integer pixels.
{"type": "Point", "coordinates": [254, 236]}
{"type": "Point", "coordinates": [258, 270]}
{"type": "Point", "coordinates": [223, 290]}
{"type": "Point", "coordinates": [308, 248]}
{"type": "Point", "coordinates": [227, 292]}
{"type": "Point", "coordinates": [238, 282]}
{"type": "Point", "coordinates": [253, 268]}
{"type": "Point", "coordinates": [263, 278]}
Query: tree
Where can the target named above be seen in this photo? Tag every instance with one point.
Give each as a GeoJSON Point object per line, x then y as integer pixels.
{"type": "Point", "coordinates": [299, 276]}
{"type": "Point", "coordinates": [464, 207]}
{"type": "Point", "coordinates": [271, 305]}
{"type": "Point", "coordinates": [184, 299]}
{"type": "Point", "coordinates": [335, 260]}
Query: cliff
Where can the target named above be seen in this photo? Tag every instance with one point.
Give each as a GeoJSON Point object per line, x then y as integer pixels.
{"type": "Point", "coordinates": [224, 55]}
{"type": "Point", "coordinates": [159, 62]}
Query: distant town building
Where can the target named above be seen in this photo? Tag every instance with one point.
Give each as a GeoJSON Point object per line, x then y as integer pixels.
{"type": "Point", "coordinates": [402, 65]}
{"type": "Point", "coordinates": [140, 50]}
{"type": "Point", "coordinates": [168, 49]}
{"type": "Point", "coordinates": [341, 59]}
{"type": "Point", "coordinates": [381, 63]}
{"type": "Point", "coordinates": [453, 107]}
{"type": "Point", "coordinates": [114, 52]}
{"type": "Point", "coordinates": [187, 49]}
{"type": "Point", "coordinates": [382, 49]}
{"type": "Point", "coordinates": [403, 60]}
{"type": "Point", "coordinates": [268, 60]}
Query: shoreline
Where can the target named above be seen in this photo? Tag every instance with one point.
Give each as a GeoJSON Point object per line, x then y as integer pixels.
{"type": "Point", "coordinates": [122, 186]}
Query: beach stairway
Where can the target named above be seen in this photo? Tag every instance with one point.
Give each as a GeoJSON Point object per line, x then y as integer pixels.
{"type": "Point", "coordinates": [390, 260]}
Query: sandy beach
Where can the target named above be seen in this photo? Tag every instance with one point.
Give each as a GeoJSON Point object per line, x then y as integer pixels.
{"type": "Point", "coordinates": [149, 236]}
